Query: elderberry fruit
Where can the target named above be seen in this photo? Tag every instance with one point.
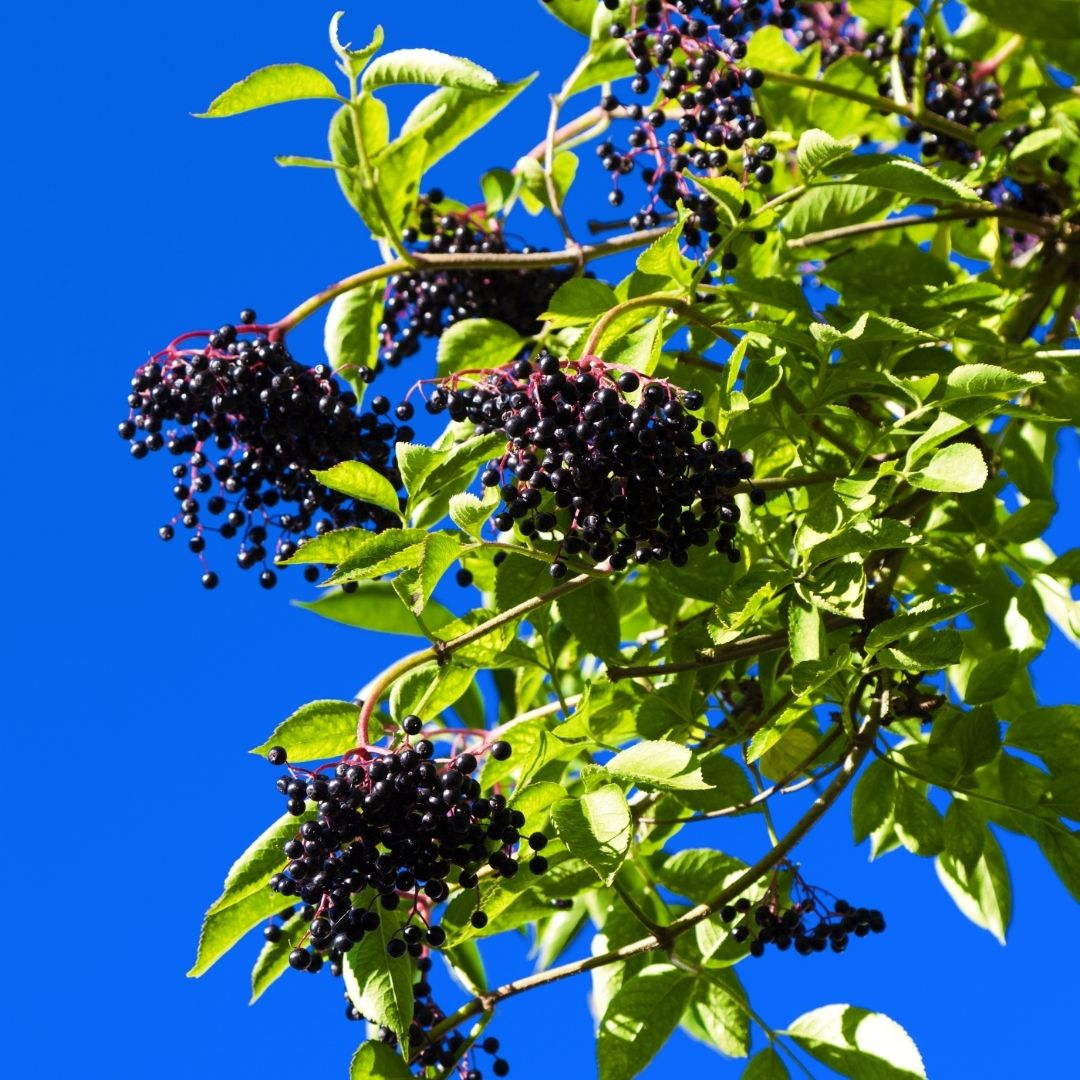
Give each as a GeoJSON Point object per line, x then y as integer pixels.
{"type": "Point", "coordinates": [613, 474]}
{"type": "Point", "coordinates": [250, 426]}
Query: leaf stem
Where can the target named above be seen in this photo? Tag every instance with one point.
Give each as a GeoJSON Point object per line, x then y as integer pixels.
{"type": "Point", "coordinates": [661, 300]}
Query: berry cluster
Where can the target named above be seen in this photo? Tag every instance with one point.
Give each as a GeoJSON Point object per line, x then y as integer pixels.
{"type": "Point", "coordinates": [811, 923]}
{"type": "Point", "coordinates": [703, 119]}
{"type": "Point", "coordinates": [446, 1050]}
{"type": "Point", "coordinates": [273, 421]}
{"type": "Point", "coordinates": [423, 303]}
{"type": "Point", "coordinates": [830, 25]}
{"type": "Point", "coordinates": [393, 826]}
{"type": "Point", "coordinates": [608, 461]}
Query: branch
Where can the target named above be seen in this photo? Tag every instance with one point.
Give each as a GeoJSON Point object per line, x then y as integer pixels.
{"type": "Point", "coordinates": [860, 748]}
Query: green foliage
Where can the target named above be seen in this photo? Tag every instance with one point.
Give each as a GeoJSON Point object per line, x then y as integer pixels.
{"type": "Point", "coordinates": [892, 590]}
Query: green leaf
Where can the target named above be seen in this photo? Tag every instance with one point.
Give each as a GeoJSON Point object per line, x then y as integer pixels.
{"type": "Point", "coordinates": [361, 482]}
{"type": "Point", "coordinates": [980, 380]}
{"type": "Point", "coordinates": [396, 173]}
{"type": "Point", "coordinates": [223, 927]}
{"type": "Point", "coordinates": [827, 206]}
{"type": "Point", "coordinates": [643, 1013]}
{"type": "Point", "coordinates": [992, 677]}
{"type": "Point", "coordinates": [958, 467]}
{"type": "Point", "coordinates": [592, 616]}
{"type": "Point", "coordinates": [331, 548]}
{"type": "Point", "coordinates": [449, 116]}
{"type": "Point", "coordinates": [873, 799]}
{"type": "Point", "coordinates": [394, 549]}
{"type": "Point", "coordinates": [917, 617]}
{"type": "Point", "coordinates": [273, 958]}
{"type": "Point", "coordinates": [917, 821]}
{"type": "Point", "coordinates": [982, 893]}
{"type": "Point", "coordinates": [596, 828]}
{"type": "Point", "coordinates": [317, 730]}
{"type": "Point", "coordinates": [907, 177]}
{"type": "Point", "coordinates": [415, 584]}
{"type": "Point", "coordinates": [353, 60]}
{"type": "Point", "coordinates": [428, 690]}
{"type": "Point", "coordinates": [768, 1065]}
{"type": "Point", "coordinates": [573, 13]}
{"type": "Point", "coordinates": [271, 86]}
{"type": "Point", "coordinates": [427, 67]}
{"type": "Point", "coordinates": [351, 334]}
{"type": "Point", "coordinates": [578, 301]}
{"type": "Point", "coordinates": [817, 149]}
{"type": "Point", "coordinates": [859, 1044]}
{"type": "Point", "coordinates": [469, 513]}
{"type": "Point", "coordinates": [477, 343]}
{"type": "Point", "coordinates": [664, 258]}
{"type": "Point", "coordinates": [374, 605]}
{"type": "Point", "coordinates": [658, 766]}
{"type": "Point", "coordinates": [377, 1061]}
{"type": "Point", "coordinates": [380, 986]}
{"type": "Point", "coordinates": [964, 834]}
{"type": "Point", "coordinates": [717, 1013]}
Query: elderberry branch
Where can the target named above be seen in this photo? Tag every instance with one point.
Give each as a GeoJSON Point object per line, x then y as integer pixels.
{"type": "Point", "coordinates": [508, 261]}
{"type": "Point", "coordinates": [928, 120]}
{"type": "Point", "coordinates": [1043, 226]}
{"type": "Point", "coordinates": [849, 767]}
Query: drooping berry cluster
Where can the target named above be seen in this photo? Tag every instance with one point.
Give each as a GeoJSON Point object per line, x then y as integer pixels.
{"type": "Point", "coordinates": [607, 461]}
{"type": "Point", "coordinates": [391, 828]}
{"type": "Point", "coordinates": [811, 922]}
{"type": "Point", "coordinates": [703, 120]}
{"type": "Point", "coordinates": [444, 1051]}
{"type": "Point", "coordinates": [423, 303]}
{"type": "Point", "coordinates": [831, 25]}
{"type": "Point", "coordinates": [251, 424]}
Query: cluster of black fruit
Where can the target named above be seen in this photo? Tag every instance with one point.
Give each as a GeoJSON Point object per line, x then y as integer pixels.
{"type": "Point", "coordinates": [832, 26]}
{"type": "Point", "coordinates": [694, 49]}
{"type": "Point", "coordinates": [423, 303]}
{"type": "Point", "coordinates": [608, 461]}
{"type": "Point", "coordinates": [251, 425]}
{"type": "Point", "coordinates": [445, 1051]}
{"type": "Point", "coordinates": [810, 924]}
{"type": "Point", "coordinates": [393, 826]}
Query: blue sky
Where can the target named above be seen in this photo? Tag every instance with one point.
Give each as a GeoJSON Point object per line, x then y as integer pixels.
{"type": "Point", "coordinates": [137, 694]}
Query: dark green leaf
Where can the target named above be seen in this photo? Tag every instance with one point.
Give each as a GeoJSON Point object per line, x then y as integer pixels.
{"type": "Point", "coordinates": [592, 615]}
{"type": "Point", "coordinates": [983, 893]}
{"type": "Point", "coordinates": [917, 821]}
{"type": "Point", "coordinates": [873, 799]}
{"type": "Point", "coordinates": [992, 677]}
{"type": "Point", "coordinates": [768, 1065]}
{"type": "Point", "coordinates": [964, 834]}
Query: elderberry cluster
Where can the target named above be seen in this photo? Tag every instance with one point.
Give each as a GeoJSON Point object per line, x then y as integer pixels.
{"type": "Point", "coordinates": [423, 303]}
{"type": "Point", "coordinates": [810, 924]}
{"type": "Point", "coordinates": [703, 120]}
{"type": "Point", "coordinates": [445, 1051]}
{"type": "Point", "coordinates": [251, 425]}
{"type": "Point", "coordinates": [832, 26]}
{"type": "Point", "coordinates": [391, 828]}
{"type": "Point", "coordinates": [607, 461]}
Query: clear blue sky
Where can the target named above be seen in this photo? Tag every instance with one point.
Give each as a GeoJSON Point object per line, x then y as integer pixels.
{"type": "Point", "coordinates": [136, 693]}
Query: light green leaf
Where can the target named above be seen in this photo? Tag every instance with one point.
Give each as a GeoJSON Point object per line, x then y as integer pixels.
{"type": "Point", "coordinates": [917, 617]}
{"type": "Point", "coordinates": [273, 958]}
{"type": "Point", "coordinates": [361, 482]}
{"type": "Point", "coordinates": [597, 828]}
{"type": "Point", "coordinates": [317, 730]}
{"type": "Point", "coordinates": [717, 1013]}
{"type": "Point", "coordinates": [643, 1013]}
{"type": "Point", "coordinates": [917, 821]}
{"type": "Point", "coordinates": [958, 467]}
{"type": "Point", "coordinates": [374, 605]}
{"type": "Point", "coordinates": [427, 67]}
{"type": "Point", "coordinates": [377, 1061]}
{"type": "Point", "coordinates": [817, 149]}
{"type": "Point", "coordinates": [271, 86]}
{"type": "Point", "coordinates": [380, 986]}
{"type": "Point", "coordinates": [658, 766]}
{"type": "Point", "coordinates": [578, 301]}
{"type": "Point", "coordinates": [983, 893]}
{"type": "Point", "coordinates": [428, 690]}
{"type": "Point", "coordinates": [980, 380]}
{"type": "Point", "coordinates": [907, 177]}
{"type": "Point", "coordinates": [469, 513]}
{"type": "Point", "coordinates": [351, 334]}
{"type": "Point", "coordinates": [223, 927]}
{"type": "Point", "coordinates": [477, 343]}
{"type": "Point", "coordinates": [354, 60]}
{"type": "Point", "coordinates": [858, 1044]}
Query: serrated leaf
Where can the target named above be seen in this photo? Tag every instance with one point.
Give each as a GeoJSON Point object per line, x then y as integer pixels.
{"type": "Point", "coordinates": [658, 765]}
{"type": "Point", "coordinates": [959, 467]}
{"type": "Point", "coordinates": [469, 513]}
{"type": "Point", "coordinates": [317, 730]}
{"type": "Point", "coordinates": [578, 301]}
{"type": "Point", "coordinates": [591, 614]}
{"type": "Point", "coordinates": [597, 828]}
{"type": "Point", "coordinates": [477, 343]}
{"type": "Point", "coordinates": [979, 380]}
{"type": "Point", "coordinates": [379, 985]}
{"type": "Point", "coordinates": [223, 927]}
{"type": "Point", "coordinates": [374, 605]}
{"type": "Point", "coordinates": [270, 86]}
{"type": "Point", "coordinates": [394, 549]}
{"type": "Point", "coordinates": [351, 334]}
{"type": "Point", "coordinates": [983, 893]}
{"type": "Point", "coordinates": [354, 60]}
{"type": "Point", "coordinates": [918, 617]}
{"type": "Point", "coordinates": [273, 959]}
{"type": "Point", "coordinates": [361, 482]}
{"type": "Point", "coordinates": [428, 690]}
{"type": "Point", "coordinates": [873, 798]}
{"type": "Point", "coordinates": [859, 1044]}
{"type": "Point", "coordinates": [816, 150]}
{"type": "Point", "coordinates": [964, 834]}
{"type": "Point", "coordinates": [415, 584]}
{"type": "Point", "coordinates": [377, 1061]}
{"type": "Point", "coordinates": [717, 1013]}
{"type": "Point", "coordinates": [917, 821]}
{"type": "Point", "coordinates": [907, 177]}
{"type": "Point", "coordinates": [637, 1022]}
{"type": "Point", "coordinates": [427, 67]}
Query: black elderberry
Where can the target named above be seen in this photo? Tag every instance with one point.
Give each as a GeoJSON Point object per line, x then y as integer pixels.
{"type": "Point", "coordinates": [500, 750]}
{"type": "Point", "coordinates": [276, 755]}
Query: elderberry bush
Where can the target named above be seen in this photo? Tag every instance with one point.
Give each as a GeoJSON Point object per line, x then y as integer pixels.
{"type": "Point", "coordinates": [423, 303]}
{"type": "Point", "coordinates": [610, 463]}
{"type": "Point", "coordinates": [697, 116]}
{"type": "Point", "coordinates": [249, 425]}
{"type": "Point", "coordinates": [394, 829]}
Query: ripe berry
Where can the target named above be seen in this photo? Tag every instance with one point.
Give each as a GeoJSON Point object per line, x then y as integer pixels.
{"type": "Point", "coordinates": [276, 755]}
{"type": "Point", "coordinates": [500, 750]}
